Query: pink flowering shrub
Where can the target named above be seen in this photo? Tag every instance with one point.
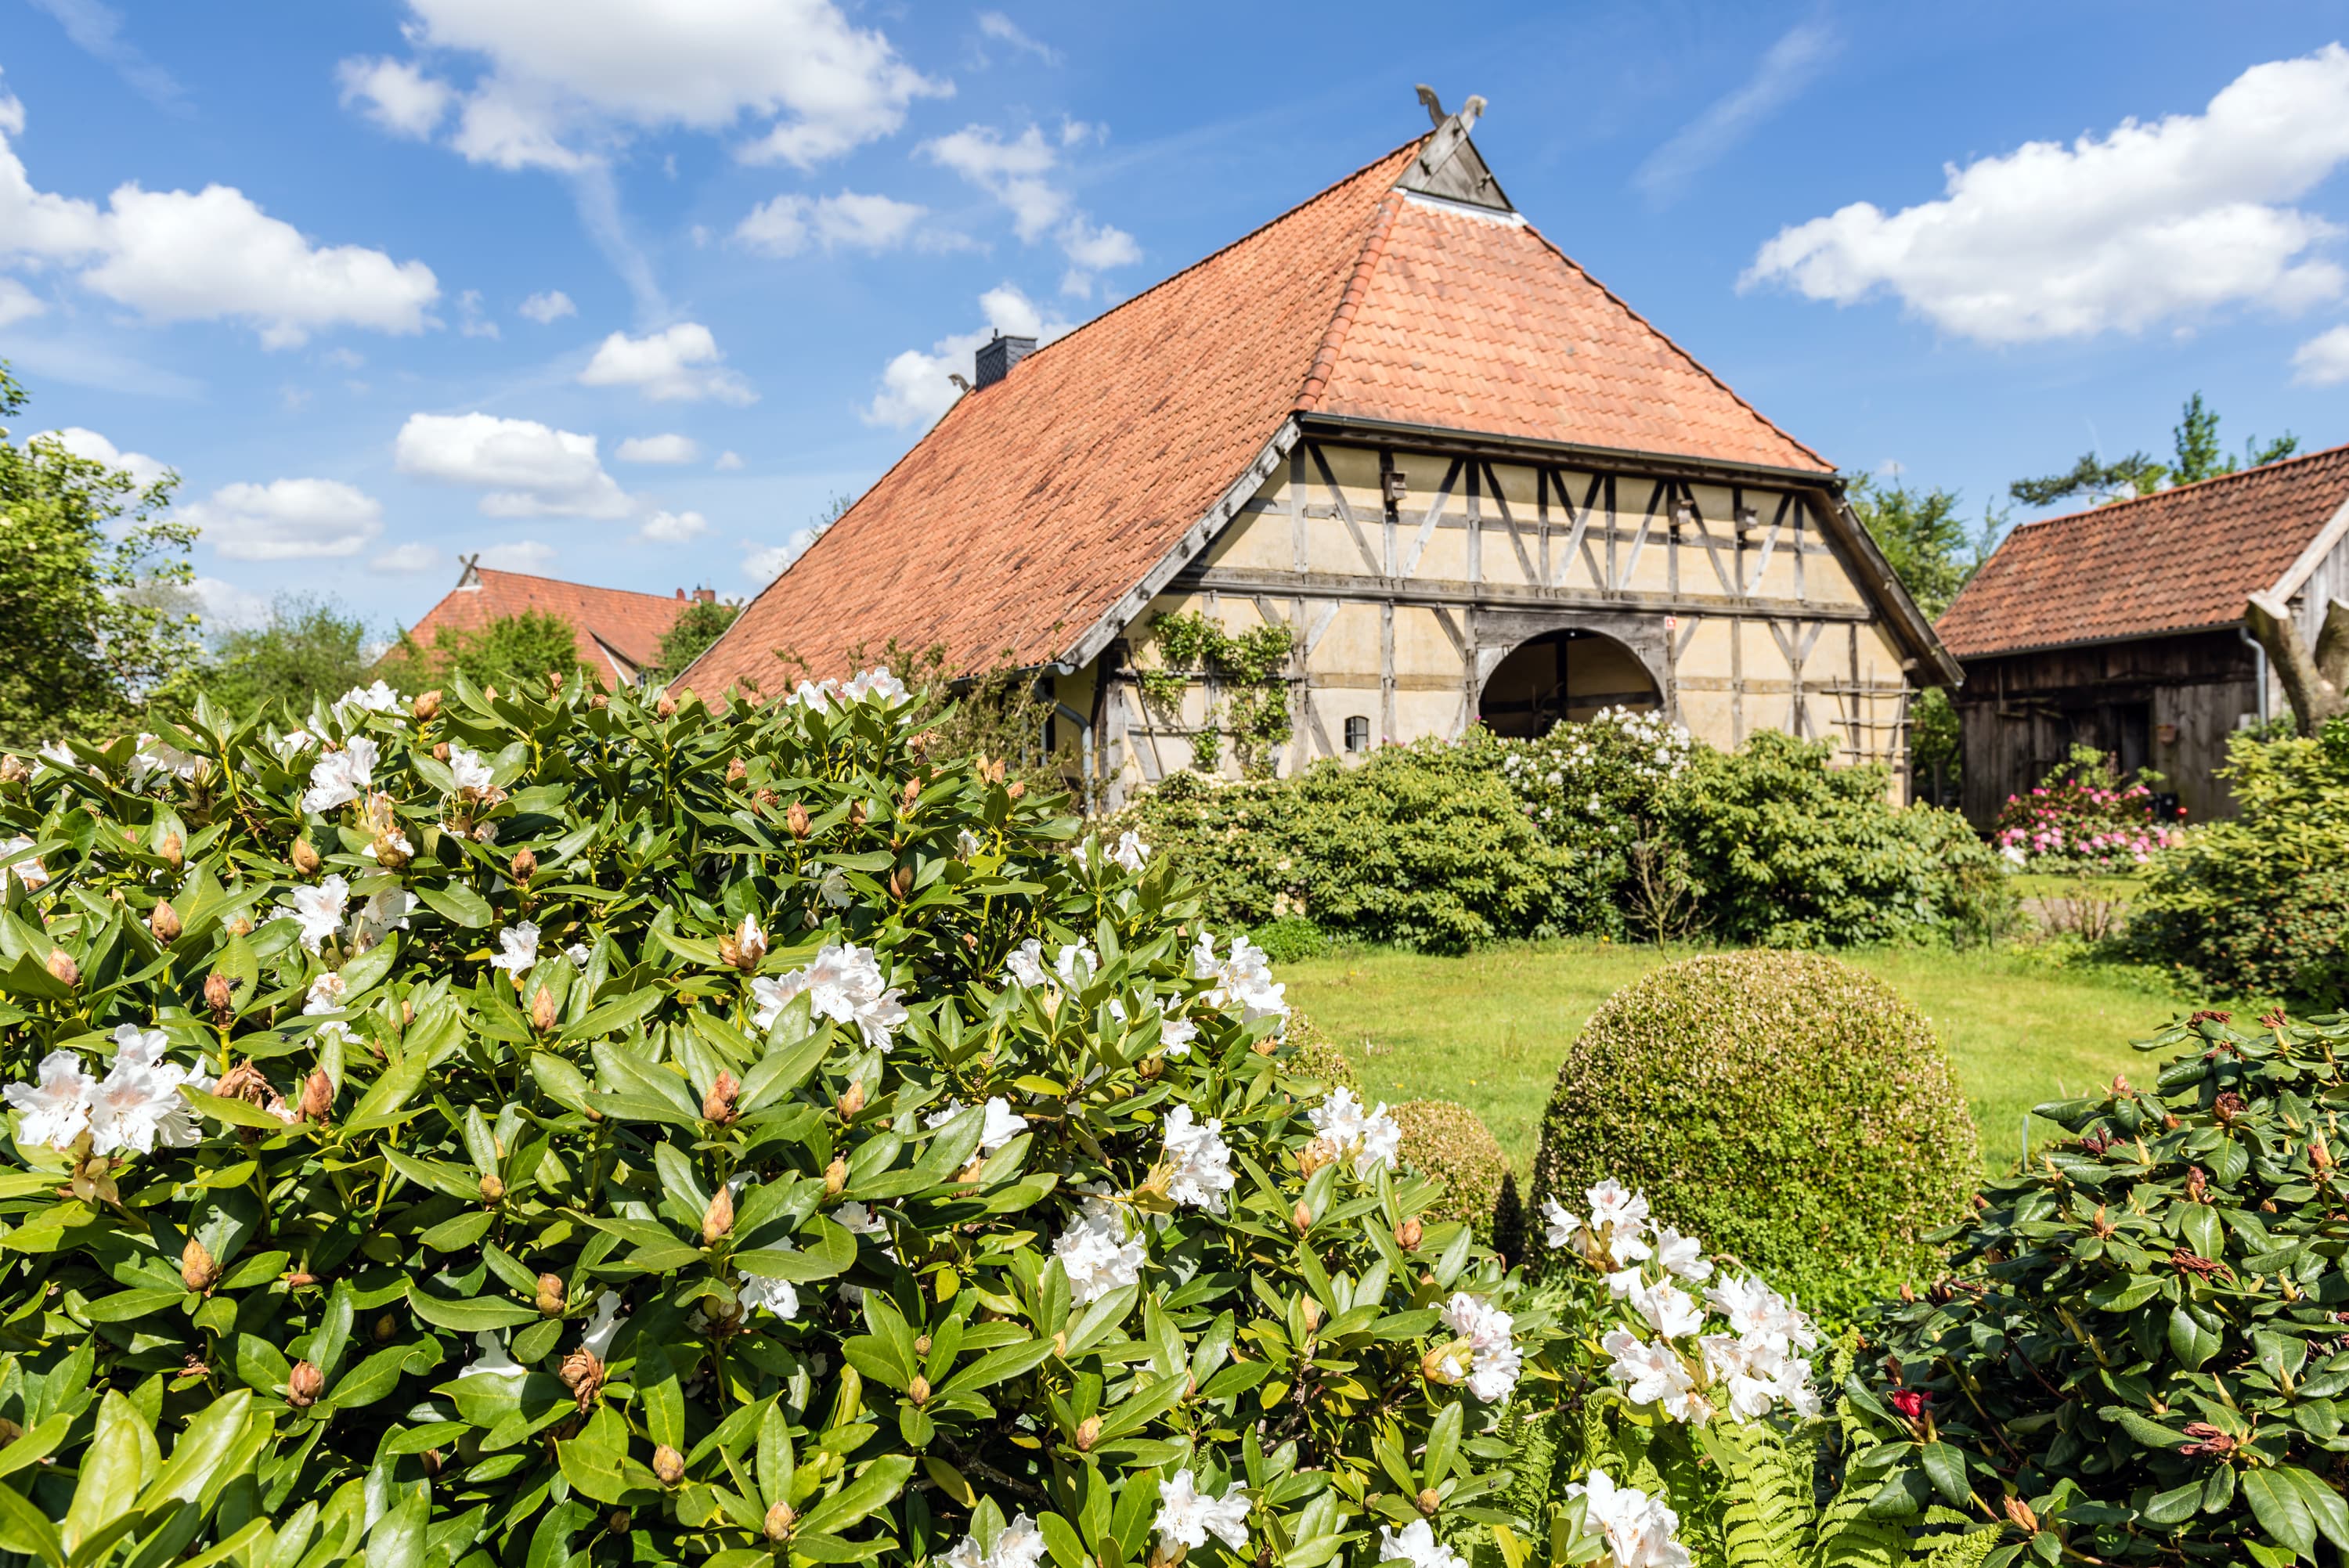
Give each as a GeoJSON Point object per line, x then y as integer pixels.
{"type": "Point", "coordinates": [2082, 818]}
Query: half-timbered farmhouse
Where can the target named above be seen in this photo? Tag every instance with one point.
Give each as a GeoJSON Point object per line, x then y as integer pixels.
{"type": "Point", "coordinates": [2124, 628]}
{"type": "Point", "coordinates": [1469, 480]}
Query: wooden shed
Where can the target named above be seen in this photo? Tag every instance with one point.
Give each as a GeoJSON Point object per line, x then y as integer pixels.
{"type": "Point", "coordinates": [1398, 422]}
{"type": "Point", "coordinates": [2123, 628]}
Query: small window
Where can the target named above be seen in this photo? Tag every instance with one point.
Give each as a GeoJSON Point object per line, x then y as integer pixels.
{"type": "Point", "coordinates": [1358, 734]}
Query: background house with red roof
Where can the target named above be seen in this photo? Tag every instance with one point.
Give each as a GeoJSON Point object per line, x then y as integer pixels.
{"type": "Point", "coordinates": [1398, 422]}
{"type": "Point", "coordinates": [618, 632]}
{"type": "Point", "coordinates": [2124, 628]}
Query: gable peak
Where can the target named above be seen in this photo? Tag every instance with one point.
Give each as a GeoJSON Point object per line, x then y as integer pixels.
{"type": "Point", "coordinates": [1449, 166]}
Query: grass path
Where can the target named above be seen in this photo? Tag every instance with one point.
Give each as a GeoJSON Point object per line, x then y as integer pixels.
{"type": "Point", "coordinates": [1490, 1029]}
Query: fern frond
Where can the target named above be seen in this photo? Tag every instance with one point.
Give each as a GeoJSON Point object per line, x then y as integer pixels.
{"type": "Point", "coordinates": [1765, 1488]}
{"type": "Point", "coordinates": [1965, 1551]}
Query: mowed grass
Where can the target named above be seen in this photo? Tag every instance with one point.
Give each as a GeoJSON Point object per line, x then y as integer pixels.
{"type": "Point", "coordinates": [1489, 1029]}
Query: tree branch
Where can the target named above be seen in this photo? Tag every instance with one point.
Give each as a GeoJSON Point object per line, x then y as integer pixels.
{"type": "Point", "coordinates": [2313, 698]}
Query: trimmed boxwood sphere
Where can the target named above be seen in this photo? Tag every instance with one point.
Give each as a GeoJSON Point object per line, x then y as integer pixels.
{"type": "Point", "coordinates": [1793, 1112]}
{"type": "Point", "coordinates": [1452, 1143]}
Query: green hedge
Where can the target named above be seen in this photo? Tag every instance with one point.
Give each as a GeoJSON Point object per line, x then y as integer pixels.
{"type": "Point", "coordinates": [1620, 828]}
{"type": "Point", "coordinates": [1452, 1143]}
{"type": "Point", "coordinates": [1803, 1116]}
{"type": "Point", "coordinates": [2258, 906]}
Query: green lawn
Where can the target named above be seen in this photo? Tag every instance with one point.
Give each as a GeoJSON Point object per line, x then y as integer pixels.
{"type": "Point", "coordinates": [1490, 1029]}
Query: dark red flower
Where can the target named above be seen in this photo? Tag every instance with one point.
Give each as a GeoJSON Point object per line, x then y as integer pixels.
{"type": "Point", "coordinates": [1910, 1402]}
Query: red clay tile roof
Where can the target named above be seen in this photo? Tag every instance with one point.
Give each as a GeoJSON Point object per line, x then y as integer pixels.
{"type": "Point", "coordinates": [628, 624]}
{"type": "Point", "coordinates": [2179, 561]}
{"type": "Point", "coordinates": [1024, 515]}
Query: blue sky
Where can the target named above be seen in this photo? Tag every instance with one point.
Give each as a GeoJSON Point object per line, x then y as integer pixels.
{"type": "Point", "coordinates": [623, 291]}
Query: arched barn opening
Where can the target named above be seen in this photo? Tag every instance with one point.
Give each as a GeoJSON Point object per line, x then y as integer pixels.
{"type": "Point", "coordinates": [1563, 677]}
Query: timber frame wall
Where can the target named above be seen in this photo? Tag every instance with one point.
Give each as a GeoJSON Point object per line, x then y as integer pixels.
{"type": "Point", "coordinates": [1740, 594]}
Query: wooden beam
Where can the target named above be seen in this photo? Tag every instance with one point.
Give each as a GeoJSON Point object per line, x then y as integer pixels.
{"type": "Point", "coordinates": [1386, 671]}
{"type": "Point", "coordinates": [1434, 517]}
{"type": "Point", "coordinates": [1524, 562]}
{"type": "Point", "coordinates": [1345, 513]}
{"type": "Point", "coordinates": [1501, 595]}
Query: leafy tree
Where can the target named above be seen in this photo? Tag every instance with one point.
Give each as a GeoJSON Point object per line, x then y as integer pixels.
{"type": "Point", "coordinates": [307, 648]}
{"type": "Point", "coordinates": [511, 650]}
{"type": "Point", "coordinates": [2196, 455]}
{"type": "Point", "coordinates": [93, 578]}
{"type": "Point", "coordinates": [696, 626]}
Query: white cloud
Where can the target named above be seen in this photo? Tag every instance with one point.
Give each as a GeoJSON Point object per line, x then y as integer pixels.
{"type": "Point", "coordinates": [2152, 223]}
{"type": "Point", "coordinates": [997, 25]}
{"type": "Point", "coordinates": [143, 469]}
{"type": "Point", "coordinates": [1016, 175]}
{"type": "Point", "coordinates": [762, 566]}
{"type": "Point", "coordinates": [18, 302]}
{"type": "Point", "coordinates": [206, 256]}
{"type": "Point", "coordinates": [411, 557]}
{"type": "Point", "coordinates": [727, 462]}
{"type": "Point", "coordinates": [2323, 360]}
{"type": "Point", "coordinates": [679, 364]}
{"type": "Point", "coordinates": [1010, 171]}
{"type": "Point", "coordinates": [287, 519]}
{"type": "Point", "coordinates": [565, 81]}
{"type": "Point", "coordinates": [226, 607]}
{"type": "Point", "coordinates": [526, 468]}
{"type": "Point", "coordinates": [1789, 66]}
{"type": "Point", "coordinates": [914, 386]}
{"type": "Point", "coordinates": [471, 321]}
{"type": "Point", "coordinates": [396, 95]}
{"type": "Point", "coordinates": [673, 528]}
{"type": "Point", "coordinates": [671, 448]}
{"type": "Point", "coordinates": [784, 226]}
{"type": "Point", "coordinates": [519, 555]}
{"type": "Point", "coordinates": [549, 307]}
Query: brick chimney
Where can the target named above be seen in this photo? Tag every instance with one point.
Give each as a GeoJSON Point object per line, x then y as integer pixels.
{"type": "Point", "coordinates": [997, 358]}
{"type": "Point", "coordinates": [705, 595]}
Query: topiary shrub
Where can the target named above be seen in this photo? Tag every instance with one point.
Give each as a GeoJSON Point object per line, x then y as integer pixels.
{"type": "Point", "coordinates": [2141, 1359]}
{"type": "Point", "coordinates": [516, 1130]}
{"type": "Point", "coordinates": [1803, 1117]}
{"type": "Point", "coordinates": [1452, 1143]}
{"type": "Point", "coordinates": [1314, 1055]}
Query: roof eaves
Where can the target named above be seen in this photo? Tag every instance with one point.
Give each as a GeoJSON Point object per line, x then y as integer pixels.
{"type": "Point", "coordinates": [1882, 585]}
{"type": "Point", "coordinates": [1619, 457]}
{"type": "Point", "coordinates": [2140, 634]}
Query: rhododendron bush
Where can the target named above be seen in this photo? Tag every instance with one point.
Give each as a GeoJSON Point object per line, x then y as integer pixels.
{"type": "Point", "coordinates": [521, 1128]}
{"type": "Point", "coordinates": [2082, 818]}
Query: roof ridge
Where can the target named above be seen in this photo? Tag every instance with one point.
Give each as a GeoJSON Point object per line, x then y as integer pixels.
{"type": "Point", "coordinates": [1366, 263]}
{"type": "Point", "coordinates": [2113, 506]}
{"type": "Point", "coordinates": [1670, 342]}
{"type": "Point", "coordinates": [567, 583]}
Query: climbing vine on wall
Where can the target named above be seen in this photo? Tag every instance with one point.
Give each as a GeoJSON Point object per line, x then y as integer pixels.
{"type": "Point", "coordinates": [1247, 668]}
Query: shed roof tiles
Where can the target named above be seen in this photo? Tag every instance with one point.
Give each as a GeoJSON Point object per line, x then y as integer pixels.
{"type": "Point", "coordinates": [2181, 560]}
{"type": "Point", "coordinates": [1036, 503]}
{"type": "Point", "coordinates": [609, 624]}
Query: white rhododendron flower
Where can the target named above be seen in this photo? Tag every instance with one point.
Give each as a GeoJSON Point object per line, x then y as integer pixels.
{"type": "Point", "coordinates": [774, 1295]}
{"type": "Point", "coordinates": [858, 1218]}
{"type": "Point", "coordinates": [467, 768]}
{"type": "Point", "coordinates": [1682, 1255]}
{"type": "Point", "coordinates": [136, 1105]}
{"type": "Point", "coordinates": [517, 947]}
{"type": "Point", "coordinates": [1494, 1357]}
{"type": "Point", "coordinates": [341, 777]}
{"type": "Point", "coordinates": [1176, 1035]}
{"type": "Point", "coordinates": [1243, 979]}
{"type": "Point", "coordinates": [604, 1327]}
{"type": "Point", "coordinates": [155, 757]}
{"type": "Point", "coordinates": [1670, 1310]}
{"type": "Point", "coordinates": [1417, 1545]}
{"type": "Point", "coordinates": [292, 744]}
{"type": "Point", "coordinates": [1649, 1372]}
{"type": "Point", "coordinates": [1076, 964]}
{"type": "Point", "coordinates": [965, 844]}
{"type": "Point", "coordinates": [396, 839]}
{"type": "Point", "coordinates": [1020, 1546]}
{"type": "Point", "coordinates": [1559, 1224]}
{"type": "Point", "coordinates": [318, 910]}
{"type": "Point", "coordinates": [1002, 1125]}
{"type": "Point", "coordinates": [379, 916]}
{"type": "Point", "coordinates": [843, 984]}
{"type": "Point", "coordinates": [835, 888]}
{"type": "Point", "coordinates": [327, 993]}
{"type": "Point", "coordinates": [1370, 1140]}
{"type": "Point", "coordinates": [877, 684]}
{"type": "Point", "coordinates": [578, 953]}
{"type": "Point", "coordinates": [1131, 852]}
{"type": "Point", "coordinates": [1096, 1253]}
{"type": "Point", "coordinates": [376, 698]}
{"type": "Point", "coordinates": [1612, 1203]}
{"type": "Point", "coordinates": [1186, 1517]}
{"type": "Point", "coordinates": [1639, 1530]}
{"type": "Point", "coordinates": [53, 1108]}
{"type": "Point", "coordinates": [1199, 1162]}
{"type": "Point", "coordinates": [22, 864]}
{"type": "Point", "coordinates": [1026, 965]}
{"type": "Point", "coordinates": [491, 1359]}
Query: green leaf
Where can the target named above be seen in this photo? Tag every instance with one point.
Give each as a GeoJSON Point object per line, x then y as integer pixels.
{"type": "Point", "coordinates": [27, 1530]}
{"type": "Point", "coordinates": [112, 1468]}
{"type": "Point", "coordinates": [883, 1480]}
{"type": "Point", "coordinates": [207, 1440]}
{"type": "Point", "coordinates": [1945, 1467]}
{"type": "Point", "coordinates": [2281, 1510]}
{"type": "Point", "coordinates": [2325, 1506]}
{"type": "Point", "coordinates": [457, 903]}
{"type": "Point", "coordinates": [398, 1537]}
{"type": "Point", "coordinates": [2200, 1227]}
{"type": "Point", "coordinates": [468, 1317]}
{"type": "Point", "coordinates": [2190, 1340]}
